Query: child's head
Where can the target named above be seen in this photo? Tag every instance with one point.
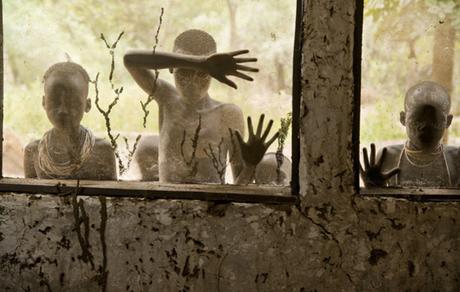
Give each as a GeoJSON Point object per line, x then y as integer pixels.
{"type": "Point", "coordinates": [195, 42]}
{"type": "Point", "coordinates": [266, 171]}
{"type": "Point", "coordinates": [146, 157]}
{"type": "Point", "coordinates": [192, 83]}
{"type": "Point", "coordinates": [426, 115]}
{"type": "Point", "coordinates": [66, 91]}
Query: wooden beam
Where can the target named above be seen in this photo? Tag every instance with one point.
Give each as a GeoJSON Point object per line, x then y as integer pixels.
{"type": "Point", "coordinates": [152, 190]}
{"type": "Point", "coordinates": [413, 194]}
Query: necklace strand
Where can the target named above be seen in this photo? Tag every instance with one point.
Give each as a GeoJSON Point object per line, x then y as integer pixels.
{"type": "Point", "coordinates": [412, 154]}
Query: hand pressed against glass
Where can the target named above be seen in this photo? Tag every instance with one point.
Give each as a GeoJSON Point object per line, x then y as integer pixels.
{"type": "Point", "coordinates": [220, 66]}
{"type": "Point", "coordinates": [254, 149]}
{"type": "Point", "coordinates": [372, 173]}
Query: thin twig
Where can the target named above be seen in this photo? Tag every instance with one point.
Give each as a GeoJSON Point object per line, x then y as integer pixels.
{"type": "Point", "coordinates": [150, 97]}
{"type": "Point", "coordinates": [131, 151]}
{"type": "Point", "coordinates": [283, 132]}
{"type": "Point", "coordinates": [106, 114]}
{"type": "Point", "coordinates": [112, 54]}
{"type": "Point", "coordinates": [83, 239]}
{"type": "Point", "coordinates": [191, 162]}
{"type": "Point", "coordinates": [122, 168]}
{"type": "Point", "coordinates": [219, 165]}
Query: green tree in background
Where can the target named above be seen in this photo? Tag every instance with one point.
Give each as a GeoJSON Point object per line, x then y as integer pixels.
{"type": "Point", "coordinates": [405, 42]}
{"type": "Point", "coordinates": [38, 33]}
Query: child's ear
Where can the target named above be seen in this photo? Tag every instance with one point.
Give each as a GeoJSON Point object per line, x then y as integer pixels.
{"type": "Point", "coordinates": [88, 105]}
{"type": "Point", "coordinates": [402, 118]}
{"type": "Point", "coordinates": [449, 121]}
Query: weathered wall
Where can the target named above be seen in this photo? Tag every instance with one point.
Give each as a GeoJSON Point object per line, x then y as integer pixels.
{"type": "Point", "coordinates": [333, 241]}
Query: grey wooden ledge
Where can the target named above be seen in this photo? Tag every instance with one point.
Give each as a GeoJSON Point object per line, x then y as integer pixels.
{"type": "Point", "coordinates": [415, 194]}
{"type": "Point", "coordinates": [153, 190]}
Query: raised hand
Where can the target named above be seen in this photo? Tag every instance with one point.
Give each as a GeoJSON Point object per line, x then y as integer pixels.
{"type": "Point", "coordinates": [221, 65]}
{"type": "Point", "coordinates": [254, 149]}
{"type": "Point", "coordinates": [372, 174]}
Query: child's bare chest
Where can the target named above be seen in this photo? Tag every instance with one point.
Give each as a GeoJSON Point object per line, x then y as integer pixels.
{"type": "Point", "coordinates": [205, 126]}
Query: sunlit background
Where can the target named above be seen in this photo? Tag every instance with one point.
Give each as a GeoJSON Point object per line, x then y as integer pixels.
{"type": "Point", "coordinates": [39, 33]}
{"type": "Point", "coordinates": [405, 42]}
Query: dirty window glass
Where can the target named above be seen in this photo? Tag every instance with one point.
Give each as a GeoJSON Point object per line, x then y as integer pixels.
{"type": "Point", "coordinates": [410, 93]}
{"type": "Point", "coordinates": [145, 90]}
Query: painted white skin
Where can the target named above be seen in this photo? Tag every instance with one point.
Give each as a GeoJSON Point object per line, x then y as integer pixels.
{"type": "Point", "coordinates": [65, 102]}
{"type": "Point", "coordinates": [267, 171]}
{"type": "Point", "coordinates": [146, 157]}
{"type": "Point", "coordinates": [187, 105]}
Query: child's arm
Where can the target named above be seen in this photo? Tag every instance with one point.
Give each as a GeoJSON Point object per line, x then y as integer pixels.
{"type": "Point", "coordinates": [219, 66]}
{"type": "Point", "coordinates": [139, 66]}
{"type": "Point", "coordinates": [30, 153]}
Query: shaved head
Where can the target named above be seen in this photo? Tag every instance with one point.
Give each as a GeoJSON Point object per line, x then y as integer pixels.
{"type": "Point", "coordinates": [195, 42]}
{"type": "Point", "coordinates": [427, 93]}
{"type": "Point", "coordinates": [66, 70]}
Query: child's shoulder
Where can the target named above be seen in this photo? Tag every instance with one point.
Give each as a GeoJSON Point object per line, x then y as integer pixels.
{"type": "Point", "coordinates": [393, 153]}
{"type": "Point", "coordinates": [32, 146]}
{"type": "Point", "coordinates": [394, 149]}
{"type": "Point", "coordinates": [452, 151]}
{"type": "Point", "coordinates": [231, 107]}
{"type": "Point", "coordinates": [226, 108]}
{"type": "Point", "coordinates": [102, 144]}
{"type": "Point", "coordinates": [451, 148]}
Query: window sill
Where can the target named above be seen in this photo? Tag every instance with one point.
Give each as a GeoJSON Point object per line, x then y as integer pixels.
{"type": "Point", "coordinates": [414, 194]}
{"type": "Point", "coordinates": [153, 190]}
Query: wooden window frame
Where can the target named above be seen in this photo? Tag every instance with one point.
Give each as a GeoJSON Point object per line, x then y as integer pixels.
{"type": "Point", "coordinates": [154, 190]}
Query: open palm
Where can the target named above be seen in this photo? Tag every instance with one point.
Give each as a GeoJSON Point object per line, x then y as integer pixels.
{"type": "Point", "coordinates": [254, 149]}
{"type": "Point", "coordinates": [221, 65]}
{"type": "Point", "coordinates": [372, 172]}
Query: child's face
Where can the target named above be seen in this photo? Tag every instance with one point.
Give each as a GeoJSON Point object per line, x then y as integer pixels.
{"type": "Point", "coordinates": [425, 125]}
{"type": "Point", "coordinates": [192, 84]}
{"type": "Point", "coordinates": [65, 100]}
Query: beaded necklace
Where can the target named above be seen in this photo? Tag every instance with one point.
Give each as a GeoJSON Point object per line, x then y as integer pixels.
{"type": "Point", "coordinates": [48, 153]}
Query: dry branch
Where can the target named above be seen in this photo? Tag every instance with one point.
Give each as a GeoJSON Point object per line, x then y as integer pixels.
{"type": "Point", "coordinates": [131, 151]}
{"type": "Point", "coordinates": [191, 162]}
{"type": "Point", "coordinates": [150, 97]}
{"type": "Point", "coordinates": [216, 159]}
{"type": "Point", "coordinates": [283, 132]}
{"type": "Point", "coordinates": [122, 168]}
{"type": "Point", "coordinates": [106, 114]}
{"type": "Point", "coordinates": [80, 217]}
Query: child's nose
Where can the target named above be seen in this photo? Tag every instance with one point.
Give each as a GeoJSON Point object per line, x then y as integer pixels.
{"type": "Point", "coordinates": [63, 109]}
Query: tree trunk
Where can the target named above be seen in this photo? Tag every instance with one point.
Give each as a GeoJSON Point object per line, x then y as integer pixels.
{"type": "Point", "coordinates": [280, 82]}
{"type": "Point", "coordinates": [443, 54]}
{"type": "Point", "coordinates": [444, 57]}
{"type": "Point", "coordinates": [233, 44]}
